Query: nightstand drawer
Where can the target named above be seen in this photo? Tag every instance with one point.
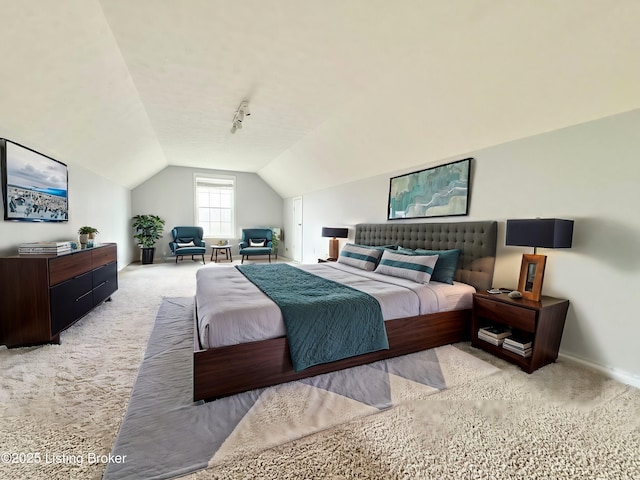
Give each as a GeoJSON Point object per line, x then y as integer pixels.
{"type": "Point", "coordinates": [516, 317]}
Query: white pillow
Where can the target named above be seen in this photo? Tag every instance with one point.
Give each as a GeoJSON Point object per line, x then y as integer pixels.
{"type": "Point", "coordinates": [359, 256]}
{"type": "Point", "coordinates": [256, 243]}
{"type": "Point", "coordinates": [190, 244]}
{"type": "Point", "coordinates": [417, 268]}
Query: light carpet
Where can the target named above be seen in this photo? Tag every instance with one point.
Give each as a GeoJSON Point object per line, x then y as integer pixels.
{"type": "Point", "coordinates": [562, 421]}
{"type": "Point", "coordinates": [165, 434]}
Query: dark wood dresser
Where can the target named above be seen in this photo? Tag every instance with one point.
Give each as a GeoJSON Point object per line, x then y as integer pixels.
{"type": "Point", "coordinates": [41, 295]}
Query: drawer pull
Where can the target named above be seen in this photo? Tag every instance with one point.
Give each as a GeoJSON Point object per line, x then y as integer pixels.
{"type": "Point", "coordinates": [83, 295]}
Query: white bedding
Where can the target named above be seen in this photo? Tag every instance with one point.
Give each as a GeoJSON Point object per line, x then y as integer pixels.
{"type": "Point", "coordinates": [232, 310]}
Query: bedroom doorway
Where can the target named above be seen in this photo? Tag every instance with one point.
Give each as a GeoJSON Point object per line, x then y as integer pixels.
{"type": "Point", "coordinates": [296, 246]}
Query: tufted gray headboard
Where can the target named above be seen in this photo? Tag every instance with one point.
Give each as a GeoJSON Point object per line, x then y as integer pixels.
{"type": "Point", "coordinates": [477, 240]}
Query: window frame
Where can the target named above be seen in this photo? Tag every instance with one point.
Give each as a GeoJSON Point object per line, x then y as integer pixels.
{"type": "Point", "coordinates": [197, 176]}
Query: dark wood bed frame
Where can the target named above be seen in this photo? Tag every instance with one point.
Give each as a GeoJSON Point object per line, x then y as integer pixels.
{"type": "Point", "coordinates": [222, 371]}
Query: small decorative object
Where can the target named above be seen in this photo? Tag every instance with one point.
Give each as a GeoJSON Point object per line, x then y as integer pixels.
{"type": "Point", "coordinates": [433, 192]}
{"type": "Point", "coordinates": [334, 234]}
{"type": "Point", "coordinates": [148, 229]}
{"type": "Point", "coordinates": [539, 232]}
{"type": "Point", "coordinates": [86, 235]}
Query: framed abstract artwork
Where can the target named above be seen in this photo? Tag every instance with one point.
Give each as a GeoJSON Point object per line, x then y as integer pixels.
{"type": "Point", "coordinates": [440, 191]}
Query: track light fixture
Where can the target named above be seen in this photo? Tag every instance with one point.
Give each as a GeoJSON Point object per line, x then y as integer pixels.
{"type": "Point", "coordinates": [242, 112]}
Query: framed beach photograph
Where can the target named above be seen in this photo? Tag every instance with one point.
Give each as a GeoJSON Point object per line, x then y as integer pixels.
{"type": "Point", "coordinates": [440, 191]}
{"type": "Point", "coordinates": [34, 186]}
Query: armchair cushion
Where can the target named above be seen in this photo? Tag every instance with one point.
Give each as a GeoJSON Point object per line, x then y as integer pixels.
{"type": "Point", "coordinates": [255, 251]}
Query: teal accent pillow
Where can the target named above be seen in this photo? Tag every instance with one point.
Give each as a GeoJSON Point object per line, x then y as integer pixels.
{"type": "Point", "coordinates": [446, 265]}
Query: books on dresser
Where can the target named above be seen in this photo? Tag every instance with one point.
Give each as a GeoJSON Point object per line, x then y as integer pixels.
{"type": "Point", "coordinates": [44, 247]}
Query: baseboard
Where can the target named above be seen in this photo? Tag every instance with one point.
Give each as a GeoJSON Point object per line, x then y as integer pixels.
{"type": "Point", "coordinates": [619, 375]}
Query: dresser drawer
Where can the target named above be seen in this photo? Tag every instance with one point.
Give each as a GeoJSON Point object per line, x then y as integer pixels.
{"type": "Point", "coordinates": [70, 300]}
{"type": "Point", "coordinates": [103, 255]}
{"type": "Point", "coordinates": [516, 317]}
{"type": "Point", "coordinates": [66, 267]}
{"type": "Point", "coordinates": [105, 282]}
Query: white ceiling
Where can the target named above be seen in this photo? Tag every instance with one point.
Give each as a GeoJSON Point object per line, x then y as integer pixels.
{"type": "Point", "coordinates": [125, 88]}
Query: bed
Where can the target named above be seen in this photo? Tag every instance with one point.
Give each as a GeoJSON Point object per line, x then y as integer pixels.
{"type": "Point", "coordinates": [256, 354]}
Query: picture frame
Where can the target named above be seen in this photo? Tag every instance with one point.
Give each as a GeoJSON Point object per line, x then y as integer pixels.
{"type": "Point", "coordinates": [35, 187]}
{"type": "Point", "coordinates": [439, 191]}
{"type": "Point", "coordinates": [531, 276]}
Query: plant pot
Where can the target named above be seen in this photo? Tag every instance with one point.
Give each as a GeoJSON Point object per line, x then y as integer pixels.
{"type": "Point", "coordinates": [147, 255]}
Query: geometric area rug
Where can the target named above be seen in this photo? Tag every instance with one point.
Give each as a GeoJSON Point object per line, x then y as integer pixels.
{"type": "Point", "coordinates": [165, 434]}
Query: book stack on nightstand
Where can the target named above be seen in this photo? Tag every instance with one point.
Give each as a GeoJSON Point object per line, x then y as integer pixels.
{"type": "Point", "coordinates": [495, 335]}
{"type": "Point", "coordinates": [519, 344]}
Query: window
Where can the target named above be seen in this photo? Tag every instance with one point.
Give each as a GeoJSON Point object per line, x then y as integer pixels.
{"type": "Point", "coordinates": [215, 200]}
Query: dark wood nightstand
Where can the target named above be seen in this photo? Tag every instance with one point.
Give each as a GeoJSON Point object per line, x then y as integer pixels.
{"type": "Point", "coordinates": [542, 322]}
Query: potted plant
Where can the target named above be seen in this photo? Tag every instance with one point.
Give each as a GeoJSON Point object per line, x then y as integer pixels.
{"type": "Point", "coordinates": [275, 240]}
{"type": "Point", "coordinates": [148, 229]}
{"type": "Point", "coordinates": [85, 233]}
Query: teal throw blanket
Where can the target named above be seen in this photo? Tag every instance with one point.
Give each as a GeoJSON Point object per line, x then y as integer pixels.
{"type": "Point", "coordinates": [325, 320]}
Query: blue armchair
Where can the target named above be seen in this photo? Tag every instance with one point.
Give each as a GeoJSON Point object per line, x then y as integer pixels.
{"type": "Point", "coordinates": [256, 241]}
{"type": "Point", "coordinates": [187, 241]}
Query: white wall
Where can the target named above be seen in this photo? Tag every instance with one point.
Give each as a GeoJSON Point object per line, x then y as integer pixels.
{"type": "Point", "coordinates": [170, 195]}
{"type": "Point", "coordinates": [93, 201]}
{"type": "Point", "coordinates": [589, 173]}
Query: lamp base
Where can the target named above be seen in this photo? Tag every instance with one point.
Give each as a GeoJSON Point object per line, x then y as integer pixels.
{"type": "Point", "coordinates": [334, 248]}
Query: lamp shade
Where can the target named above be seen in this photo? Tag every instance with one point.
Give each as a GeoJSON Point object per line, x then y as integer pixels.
{"type": "Point", "coordinates": [335, 232]}
{"type": "Point", "coordinates": [540, 232]}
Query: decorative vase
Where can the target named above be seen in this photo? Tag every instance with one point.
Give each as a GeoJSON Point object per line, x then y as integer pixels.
{"type": "Point", "coordinates": [84, 238]}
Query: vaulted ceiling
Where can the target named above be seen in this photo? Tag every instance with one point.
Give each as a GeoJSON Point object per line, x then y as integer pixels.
{"type": "Point", "coordinates": [125, 88]}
